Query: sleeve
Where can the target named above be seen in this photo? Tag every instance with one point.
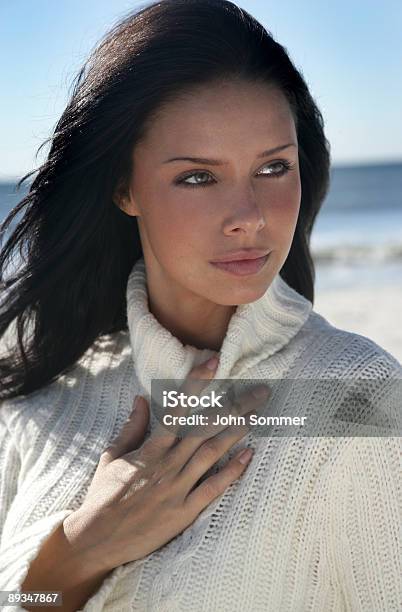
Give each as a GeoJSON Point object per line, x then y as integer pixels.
{"type": "Point", "coordinates": [364, 527]}
{"type": "Point", "coordinates": [20, 544]}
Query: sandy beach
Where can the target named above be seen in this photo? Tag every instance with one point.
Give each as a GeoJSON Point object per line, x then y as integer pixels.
{"type": "Point", "coordinates": [375, 312]}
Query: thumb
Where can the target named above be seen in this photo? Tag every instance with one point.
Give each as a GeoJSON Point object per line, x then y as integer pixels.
{"type": "Point", "coordinates": [133, 431]}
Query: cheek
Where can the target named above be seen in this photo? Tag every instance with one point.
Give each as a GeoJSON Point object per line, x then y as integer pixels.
{"type": "Point", "coordinates": [174, 226]}
{"type": "Point", "coordinates": [285, 208]}
{"type": "Point", "coordinates": [281, 205]}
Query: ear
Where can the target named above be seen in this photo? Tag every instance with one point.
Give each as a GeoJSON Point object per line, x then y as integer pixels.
{"type": "Point", "coordinates": [123, 199]}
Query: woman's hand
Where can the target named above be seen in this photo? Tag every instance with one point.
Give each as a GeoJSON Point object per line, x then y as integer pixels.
{"type": "Point", "coordinates": [144, 494]}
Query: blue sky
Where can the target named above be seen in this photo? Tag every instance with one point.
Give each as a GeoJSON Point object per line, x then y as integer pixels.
{"type": "Point", "coordinates": [349, 51]}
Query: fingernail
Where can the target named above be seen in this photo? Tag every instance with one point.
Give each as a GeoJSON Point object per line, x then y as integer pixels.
{"type": "Point", "coordinates": [260, 392]}
{"type": "Point", "coordinates": [212, 363]}
{"type": "Point", "coordinates": [136, 403]}
{"type": "Point", "coordinates": [245, 455]}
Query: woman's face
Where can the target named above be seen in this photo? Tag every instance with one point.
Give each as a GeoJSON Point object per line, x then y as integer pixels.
{"type": "Point", "coordinates": [193, 212]}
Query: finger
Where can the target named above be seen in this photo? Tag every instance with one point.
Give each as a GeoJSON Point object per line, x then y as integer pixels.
{"type": "Point", "coordinates": [192, 456]}
{"type": "Point", "coordinates": [249, 400]}
{"type": "Point", "coordinates": [216, 484]}
{"type": "Point", "coordinates": [208, 454]}
{"type": "Point", "coordinates": [132, 433]}
{"type": "Point", "coordinates": [199, 377]}
{"type": "Point", "coordinates": [247, 403]}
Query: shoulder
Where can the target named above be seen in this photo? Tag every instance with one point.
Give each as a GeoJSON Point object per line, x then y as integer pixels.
{"type": "Point", "coordinates": [95, 379]}
{"type": "Point", "coordinates": [357, 383]}
{"type": "Point", "coordinates": [348, 348]}
{"type": "Point", "coordinates": [352, 379]}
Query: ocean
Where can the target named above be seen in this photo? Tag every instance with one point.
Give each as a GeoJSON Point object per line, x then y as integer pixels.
{"type": "Point", "coordinates": [357, 237]}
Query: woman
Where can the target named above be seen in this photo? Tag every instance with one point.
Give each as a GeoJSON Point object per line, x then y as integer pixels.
{"type": "Point", "coordinates": [190, 140]}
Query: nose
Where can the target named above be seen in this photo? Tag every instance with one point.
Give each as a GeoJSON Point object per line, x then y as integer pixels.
{"type": "Point", "coordinates": [245, 217]}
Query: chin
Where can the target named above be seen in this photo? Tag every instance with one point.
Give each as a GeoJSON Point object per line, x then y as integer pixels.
{"type": "Point", "coordinates": [236, 290]}
{"type": "Point", "coordinates": [251, 296]}
{"type": "Point", "coordinates": [241, 295]}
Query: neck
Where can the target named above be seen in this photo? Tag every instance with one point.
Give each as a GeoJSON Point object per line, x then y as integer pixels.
{"type": "Point", "coordinates": [193, 321]}
{"type": "Point", "coordinates": [255, 331]}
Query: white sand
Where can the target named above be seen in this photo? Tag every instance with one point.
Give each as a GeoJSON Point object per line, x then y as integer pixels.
{"type": "Point", "coordinates": [372, 312]}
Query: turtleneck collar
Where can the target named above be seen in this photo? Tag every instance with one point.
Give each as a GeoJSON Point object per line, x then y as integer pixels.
{"type": "Point", "coordinates": [256, 331]}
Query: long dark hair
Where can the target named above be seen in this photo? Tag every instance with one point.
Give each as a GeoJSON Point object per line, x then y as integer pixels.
{"type": "Point", "coordinates": [77, 246]}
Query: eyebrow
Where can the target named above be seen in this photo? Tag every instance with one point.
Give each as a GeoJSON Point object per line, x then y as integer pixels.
{"type": "Point", "coordinates": [218, 162]}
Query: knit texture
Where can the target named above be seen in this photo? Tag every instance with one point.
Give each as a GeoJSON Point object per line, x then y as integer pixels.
{"type": "Point", "coordinates": [314, 524]}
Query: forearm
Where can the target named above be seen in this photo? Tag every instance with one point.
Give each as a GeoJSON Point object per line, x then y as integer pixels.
{"type": "Point", "coordinates": [58, 567]}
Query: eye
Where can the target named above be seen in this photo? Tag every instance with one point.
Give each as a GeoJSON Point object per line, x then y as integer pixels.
{"type": "Point", "coordinates": [182, 180]}
{"type": "Point", "coordinates": [284, 167]}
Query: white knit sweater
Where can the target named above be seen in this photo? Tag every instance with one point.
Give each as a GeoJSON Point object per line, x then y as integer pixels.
{"type": "Point", "coordinates": [314, 523]}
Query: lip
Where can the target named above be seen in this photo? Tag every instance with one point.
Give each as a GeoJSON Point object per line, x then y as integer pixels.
{"type": "Point", "coordinates": [242, 267]}
{"type": "Point", "coordinates": [241, 255]}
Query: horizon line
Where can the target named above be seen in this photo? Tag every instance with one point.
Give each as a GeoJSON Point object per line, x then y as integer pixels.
{"type": "Point", "coordinates": [334, 164]}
